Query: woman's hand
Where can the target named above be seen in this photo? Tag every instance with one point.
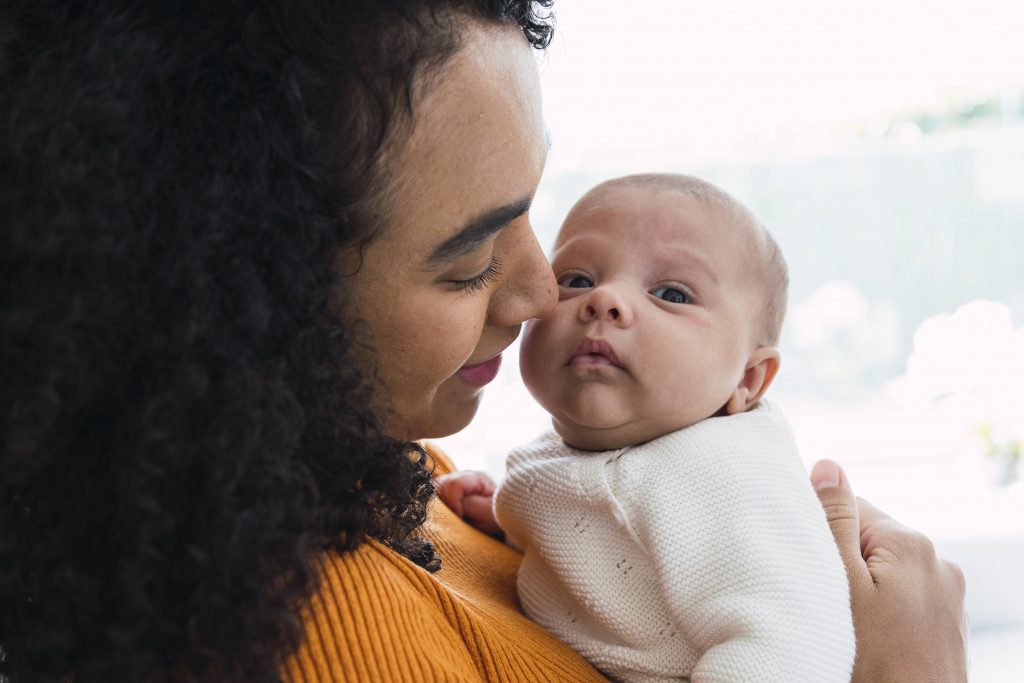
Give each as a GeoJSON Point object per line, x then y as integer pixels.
{"type": "Point", "coordinates": [470, 495]}
{"type": "Point", "coordinates": [908, 605]}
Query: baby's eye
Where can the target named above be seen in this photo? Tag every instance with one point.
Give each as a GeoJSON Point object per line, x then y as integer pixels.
{"type": "Point", "coordinates": [576, 282]}
{"type": "Point", "coordinates": [671, 295]}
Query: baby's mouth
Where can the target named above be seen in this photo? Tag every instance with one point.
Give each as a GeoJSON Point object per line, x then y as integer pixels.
{"type": "Point", "coordinates": [594, 353]}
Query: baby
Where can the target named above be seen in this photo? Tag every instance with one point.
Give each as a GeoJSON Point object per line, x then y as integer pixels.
{"type": "Point", "coordinates": [668, 528]}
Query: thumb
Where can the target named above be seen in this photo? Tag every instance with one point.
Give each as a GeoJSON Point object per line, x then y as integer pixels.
{"type": "Point", "coordinates": [840, 505]}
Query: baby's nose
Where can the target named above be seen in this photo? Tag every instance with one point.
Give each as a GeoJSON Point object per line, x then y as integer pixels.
{"type": "Point", "coordinates": [605, 303]}
{"type": "Point", "coordinates": [612, 312]}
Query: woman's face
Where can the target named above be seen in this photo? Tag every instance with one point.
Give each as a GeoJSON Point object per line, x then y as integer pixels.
{"type": "Point", "coordinates": [456, 269]}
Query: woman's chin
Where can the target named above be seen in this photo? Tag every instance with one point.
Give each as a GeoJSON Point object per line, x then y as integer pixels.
{"type": "Point", "coordinates": [443, 420]}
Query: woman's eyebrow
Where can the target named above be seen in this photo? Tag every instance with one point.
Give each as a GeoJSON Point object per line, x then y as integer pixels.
{"type": "Point", "coordinates": [478, 230]}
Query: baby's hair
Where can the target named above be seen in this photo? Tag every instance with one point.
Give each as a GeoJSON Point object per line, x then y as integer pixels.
{"type": "Point", "coordinates": [775, 273]}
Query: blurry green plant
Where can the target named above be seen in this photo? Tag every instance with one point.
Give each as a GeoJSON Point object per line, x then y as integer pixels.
{"type": "Point", "coordinates": [1011, 449]}
{"type": "Point", "coordinates": [960, 112]}
{"type": "Point", "coordinates": [1006, 453]}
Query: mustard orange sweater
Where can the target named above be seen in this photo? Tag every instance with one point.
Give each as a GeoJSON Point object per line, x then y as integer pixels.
{"type": "Point", "coordinates": [378, 617]}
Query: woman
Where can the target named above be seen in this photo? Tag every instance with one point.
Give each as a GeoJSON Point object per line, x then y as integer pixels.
{"type": "Point", "coordinates": [250, 253]}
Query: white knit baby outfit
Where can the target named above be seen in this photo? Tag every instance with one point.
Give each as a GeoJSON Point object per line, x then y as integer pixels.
{"type": "Point", "coordinates": [701, 555]}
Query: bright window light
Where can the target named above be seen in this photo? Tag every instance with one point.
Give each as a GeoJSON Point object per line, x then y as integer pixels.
{"type": "Point", "coordinates": [882, 142]}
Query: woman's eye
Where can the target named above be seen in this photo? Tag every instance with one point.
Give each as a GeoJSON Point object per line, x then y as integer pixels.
{"type": "Point", "coordinates": [577, 282]}
{"type": "Point", "coordinates": [477, 282]}
{"type": "Point", "coordinates": [671, 295]}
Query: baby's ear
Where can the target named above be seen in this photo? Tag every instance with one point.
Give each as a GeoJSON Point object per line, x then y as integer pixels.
{"type": "Point", "coordinates": [761, 369]}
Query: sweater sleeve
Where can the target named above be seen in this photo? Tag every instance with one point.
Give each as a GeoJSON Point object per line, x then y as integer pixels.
{"type": "Point", "coordinates": [740, 548]}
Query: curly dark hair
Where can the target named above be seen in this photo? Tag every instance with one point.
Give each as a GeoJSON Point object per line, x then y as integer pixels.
{"type": "Point", "coordinates": [184, 428]}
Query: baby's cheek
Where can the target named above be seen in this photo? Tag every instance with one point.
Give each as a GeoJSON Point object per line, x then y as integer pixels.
{"type": "Point", "coordinates": [535, 355]}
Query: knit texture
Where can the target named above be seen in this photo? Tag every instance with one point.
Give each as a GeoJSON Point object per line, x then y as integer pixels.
{"type": "Point", "coordinates": [378, 617]}
{"type": "Point", "coordinates": [704, 554]}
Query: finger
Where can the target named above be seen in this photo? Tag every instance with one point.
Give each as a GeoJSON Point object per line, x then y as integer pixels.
{"type": "Point", "coordinates": [957, 580]}
{"type": "Point", "coordinates": [476, 482]}
{"type": "Point", "coordinates": [957, 584]}
{"type": "Point", "coordinates": [480, 511]}
{"type": "Point", "coordinates": [449, 490]}
{"type": "Point", "coordinates": [485, 485]}
{"type": "Point", "coordinates": [870, 514]}
{"type": "Point", "coordinates": [840, 505]}
{"type": "Point", "coordinates": [471, 481]}
{"type": "Point", "coordinates": [879, 530]}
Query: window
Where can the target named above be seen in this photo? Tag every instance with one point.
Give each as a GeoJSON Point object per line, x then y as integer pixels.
{"type": "Point", "coordinates": [882, 143]}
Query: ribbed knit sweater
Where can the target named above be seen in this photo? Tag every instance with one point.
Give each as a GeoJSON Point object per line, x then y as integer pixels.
{"type": "Point", "coordinates": [378, 617]}
{"type": "Point", "coordinates": [703, 555]}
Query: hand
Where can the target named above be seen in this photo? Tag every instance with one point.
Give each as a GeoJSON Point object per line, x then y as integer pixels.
{"type": "Point", "coordinates": [470, 495]}
{"type": "Point", "coordinates": [908, 605]}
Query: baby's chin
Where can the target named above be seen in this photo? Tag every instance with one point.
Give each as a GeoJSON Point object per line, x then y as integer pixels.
{"type": "Point", "coordinates": [605, 438]}
{"type": "Point", "coordinates": [597, 417]}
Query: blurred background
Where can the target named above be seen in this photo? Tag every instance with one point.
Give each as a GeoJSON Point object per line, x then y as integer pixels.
{"type": "Point", "coordinates": [882, 142]}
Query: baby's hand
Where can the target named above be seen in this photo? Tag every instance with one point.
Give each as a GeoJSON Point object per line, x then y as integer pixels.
{"type": "Point", "coordinates": [470, 495]}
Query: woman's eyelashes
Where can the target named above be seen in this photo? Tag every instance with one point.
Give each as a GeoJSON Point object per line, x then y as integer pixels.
{"type": "Point", "coordinates": [488, 276]}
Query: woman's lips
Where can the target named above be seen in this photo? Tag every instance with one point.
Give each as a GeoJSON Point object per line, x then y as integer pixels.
{"type": "Point", "coordinates": [480, 374]}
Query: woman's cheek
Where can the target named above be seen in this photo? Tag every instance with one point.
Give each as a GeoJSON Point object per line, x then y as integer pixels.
{"type": "Point", "coordinates": [453, 333]}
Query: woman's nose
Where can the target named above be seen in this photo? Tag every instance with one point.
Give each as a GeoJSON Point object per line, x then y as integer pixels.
{"type": "Point", "coordinates": [530, 290]}
{"type": "Point", "coordinates": [606, 303]}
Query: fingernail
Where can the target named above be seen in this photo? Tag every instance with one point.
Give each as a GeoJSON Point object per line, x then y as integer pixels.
{"type": "Point", "coordinates": [825, 474]}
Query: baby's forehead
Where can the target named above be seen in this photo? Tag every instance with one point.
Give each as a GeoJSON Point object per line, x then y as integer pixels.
{"type": "Point", "coordinates": [659, 216]}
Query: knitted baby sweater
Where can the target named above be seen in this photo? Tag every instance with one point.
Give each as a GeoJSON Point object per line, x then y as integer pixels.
{"type": "Point", "coordinates": [701, 554]}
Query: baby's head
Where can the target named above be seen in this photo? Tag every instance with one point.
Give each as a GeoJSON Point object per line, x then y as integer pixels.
{"type": "Point", "coordinates": [671, 300]}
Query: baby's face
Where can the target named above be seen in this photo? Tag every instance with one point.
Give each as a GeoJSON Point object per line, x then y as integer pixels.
{"type": "Point", "coordinates": [654, 323]}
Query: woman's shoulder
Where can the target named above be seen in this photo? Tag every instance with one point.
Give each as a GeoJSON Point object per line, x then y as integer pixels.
{"type": "Point", "coordinates": [438, 460]}
{"type": "Point", "coordinates": [375, 616]}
